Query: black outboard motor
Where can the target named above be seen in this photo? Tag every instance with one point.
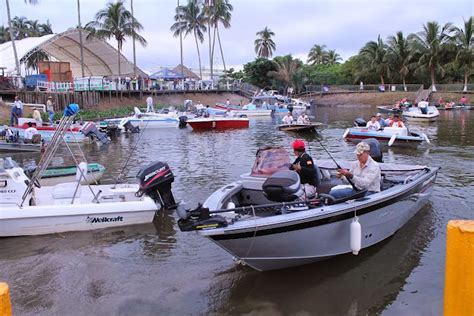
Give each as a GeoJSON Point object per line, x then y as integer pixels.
{"type": "Point", "coordinates": [360, 122]}
{"type": "Point", "coordinates": [282, 186]}
{"type": "Point", "coordinates": [130, 127]}
{"type": "Point", "coordinates": [155, 181]}
{"type": "Point", "coordinates": [90, 130]}
{"type": "Point", "coordinates": [183, 121]}
{"type": "Point", "coordinates": [375, 149]}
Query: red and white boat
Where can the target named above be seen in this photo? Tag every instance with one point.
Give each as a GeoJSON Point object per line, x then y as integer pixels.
{"type": "Point", "coordinates": [208, 123]}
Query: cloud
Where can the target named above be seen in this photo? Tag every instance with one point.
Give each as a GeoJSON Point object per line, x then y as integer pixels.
{"type": "Point", "coordinates": [343, 25]}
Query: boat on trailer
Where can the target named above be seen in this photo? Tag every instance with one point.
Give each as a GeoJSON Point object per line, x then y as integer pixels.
{"type": "Point", "coordinates": [260, 221]}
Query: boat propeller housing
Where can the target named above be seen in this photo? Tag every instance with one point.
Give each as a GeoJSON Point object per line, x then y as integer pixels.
{"type": "Point", "coordinates": [155, 181]}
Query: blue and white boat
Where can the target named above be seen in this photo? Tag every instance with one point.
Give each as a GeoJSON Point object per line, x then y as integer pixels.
{"type": "Point", "coordinates": [391, 136]}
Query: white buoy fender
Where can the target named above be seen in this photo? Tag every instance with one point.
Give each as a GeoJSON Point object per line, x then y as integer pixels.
{"type": "Point", "coordinates": [392, 140]}
{"type": "Point", "coordinates": [345, 133]}
{"type": "Point", "coordinates": [426, 138]}
{"type": "Point", "coordinates": [81, 167]}
{"type": "Point", "coordinates": [356, 236]}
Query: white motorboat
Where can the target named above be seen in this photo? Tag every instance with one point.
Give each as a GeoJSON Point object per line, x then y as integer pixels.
{"type": "Point", "coordinates": [148, 120]}
{"type": "Point", "coordinates": [259, 220]}
{"type": "Point", "coordinates": [415, 114]}
{"type": "Point", "coordinates": [74, 207]}
{"type": "Point", "coordinates": [27, 208]}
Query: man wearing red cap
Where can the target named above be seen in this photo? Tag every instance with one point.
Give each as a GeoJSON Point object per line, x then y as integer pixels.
{"type": "Point", "coordinates": [304, 166]}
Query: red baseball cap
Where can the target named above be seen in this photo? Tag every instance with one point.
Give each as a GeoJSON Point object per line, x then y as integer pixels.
{"type": "Point", "coordinates": [298, 144]}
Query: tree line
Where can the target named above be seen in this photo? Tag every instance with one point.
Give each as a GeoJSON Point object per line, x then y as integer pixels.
{"type": "Point", "coordinates": [438, 53]}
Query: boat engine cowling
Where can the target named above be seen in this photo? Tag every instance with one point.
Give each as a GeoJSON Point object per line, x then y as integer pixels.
{"type": "Point", "coordinates": [359, 122]}
{"type": "Point", "coordinates": [155, 181]}
{"type": "Point", "coordinates": [282, 186]}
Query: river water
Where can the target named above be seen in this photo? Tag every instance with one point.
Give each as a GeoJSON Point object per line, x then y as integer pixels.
{"type": "Point", "coordinates": [154, 269]}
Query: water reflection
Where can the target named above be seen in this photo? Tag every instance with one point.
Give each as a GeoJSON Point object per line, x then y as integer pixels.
{"type": "Point", "coordinates": [346, 285]}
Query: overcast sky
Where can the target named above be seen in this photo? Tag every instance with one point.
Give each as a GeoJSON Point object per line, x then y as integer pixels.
{"type": "Point", "coordinates": [343, 25]}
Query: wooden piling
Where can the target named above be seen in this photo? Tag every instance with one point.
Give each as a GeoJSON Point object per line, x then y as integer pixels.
{"type": "Point", "coordinates": [459, 275]}
{"type": "Point", "coordinates": [5, 303]}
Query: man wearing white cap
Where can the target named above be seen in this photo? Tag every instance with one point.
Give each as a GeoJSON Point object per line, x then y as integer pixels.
{"type": "Point", "coordinates": [381, 120]}
{"type": "Point", "coordinates": [365, 173]}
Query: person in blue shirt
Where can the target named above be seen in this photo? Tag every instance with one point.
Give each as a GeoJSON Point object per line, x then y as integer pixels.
{"type": "Point", "coordinates": [381, 120]}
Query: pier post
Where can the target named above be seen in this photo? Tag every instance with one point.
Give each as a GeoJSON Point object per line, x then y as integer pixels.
{"type": "Point", "coordinates": [5, 304]}
{"type": "Point", "coordinates": [459, 277]}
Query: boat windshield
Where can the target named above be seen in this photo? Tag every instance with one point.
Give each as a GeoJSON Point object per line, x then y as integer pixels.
{"type": "Point", "coordinates": [269, 161]}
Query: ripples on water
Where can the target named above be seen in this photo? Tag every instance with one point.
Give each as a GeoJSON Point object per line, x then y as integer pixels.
{"type": "Point", "coordinates": [155, 269]}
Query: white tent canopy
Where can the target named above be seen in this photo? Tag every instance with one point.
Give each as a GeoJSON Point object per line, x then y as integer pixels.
{"type": "Point", "coordinates": [100, 58]}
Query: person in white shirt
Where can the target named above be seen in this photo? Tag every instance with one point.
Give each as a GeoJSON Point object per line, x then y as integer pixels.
{"type": "Point", "coordinates": [149, 104]}
{"type": "Point", "coordinates": [365, 173]}
{"type": "Point", "coordinates": [288, 119]}
{"type": "Point", "coordinates": [373, 124]}
{"type": "Point", "coordinates": [423, 106]}
{"type": "Point", "coordinates": [30, 132]}
{"type": "Point", "coordinates": [37, 117]}
{"type": "Point", "coordinates": [303, 119]}
{"type": "Point", "coordinates": [50, 109]}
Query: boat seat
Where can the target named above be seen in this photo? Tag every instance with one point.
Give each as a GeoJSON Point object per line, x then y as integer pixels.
{"type": "Point", "coordinates": [63, 193]}
{"type": "Point", "coordinates": [282, 186]}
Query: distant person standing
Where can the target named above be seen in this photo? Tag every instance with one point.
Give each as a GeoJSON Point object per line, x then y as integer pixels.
{"type": "Point", "coordinates": [361, 85]}
{"type": "Point", "coordinates": [227, 103]}
{"type": "Point", "coordinates": [50, 109]}
{"type": "Point", "coordinates": [37, 117]}
{"type": "Point", "coordinates": [16, 111]}
{"type": "Point", "coordinates": [127, 82]}
{"type": "Point", "coordinates": [149, 104]}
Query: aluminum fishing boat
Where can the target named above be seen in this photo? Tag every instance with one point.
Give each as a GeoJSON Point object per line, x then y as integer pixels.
{"type": "Point", "coordinates": [261, 220]}
{"type": "Point", "coordinates": [390, 136]}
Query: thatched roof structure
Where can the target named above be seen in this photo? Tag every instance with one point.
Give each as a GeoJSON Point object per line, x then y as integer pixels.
{"type": "Point", "coordinates": [186, 72]}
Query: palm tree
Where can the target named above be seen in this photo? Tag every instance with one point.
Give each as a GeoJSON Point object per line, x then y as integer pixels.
{"type": "Point", "coordinates": [464, 40]}
{"type": "Point", "coordinates": [34, 28]}
{"type": "Point", "coordinates": [431, 44]}
{"type": "Point", "coordinates": [316, 55]}
{"type": "Point", "coordinates": [20, 27]}
{"type": "Point", "coordinates": [400, 55]}
{"type": "Point", "coordinates": [46, 28]}
{"type": "Point", "coordinates": [12, 36]}
{"type": "Point", "coordinates": [221, 14]}
{"type": "Point", "coordinates": [4, 34]}
{"type": "Point", "coordinates": [117, 22]}
{"type": "Point", "coordinates": [264, 45]}
{"type": "Point", "coordinates": [190, 19]}
{"type": "Point", "coordinates": [375, 57]}
{"type": "Point", "coordinates": [287, 69]}
{"type": "Point", "coordinates": [332, 58]}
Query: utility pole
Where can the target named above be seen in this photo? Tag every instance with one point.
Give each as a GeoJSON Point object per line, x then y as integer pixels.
{"type": "Point", "coordinates": [134, 52]}
{"type": "Point", "coordinates": [80, 36]}
{"type": "Point", "coordinates": [180, 45]}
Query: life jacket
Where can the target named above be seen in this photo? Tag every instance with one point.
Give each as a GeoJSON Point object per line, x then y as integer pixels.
{"type": "Point", "coordinates": [399, 123]}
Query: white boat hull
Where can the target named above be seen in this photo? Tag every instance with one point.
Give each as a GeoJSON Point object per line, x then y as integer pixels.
{"type": "Point", "coordinates": [414, 114]}
{"type": "Point", "coordinates": [117, 207]}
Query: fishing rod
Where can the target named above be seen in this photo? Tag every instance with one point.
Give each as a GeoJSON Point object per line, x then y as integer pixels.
{"type": "Point", "coordinates": [337, 165]}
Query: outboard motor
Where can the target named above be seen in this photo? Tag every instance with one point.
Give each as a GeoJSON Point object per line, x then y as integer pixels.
{"type": "Point", "coordinates": [90, 130]}
{"type": "Point", "coordinates": [155, 181]}
{"type": "Point", "coordinates": [183, 121]}
{"type": "Point", "coordinates": [375, 149]}
{"type": "Point", "coordinates": [360, 122]}
{"type": "Point", "coordinates": [130, 127]}
{"type": "Point", "coordinates": [282, 186]}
